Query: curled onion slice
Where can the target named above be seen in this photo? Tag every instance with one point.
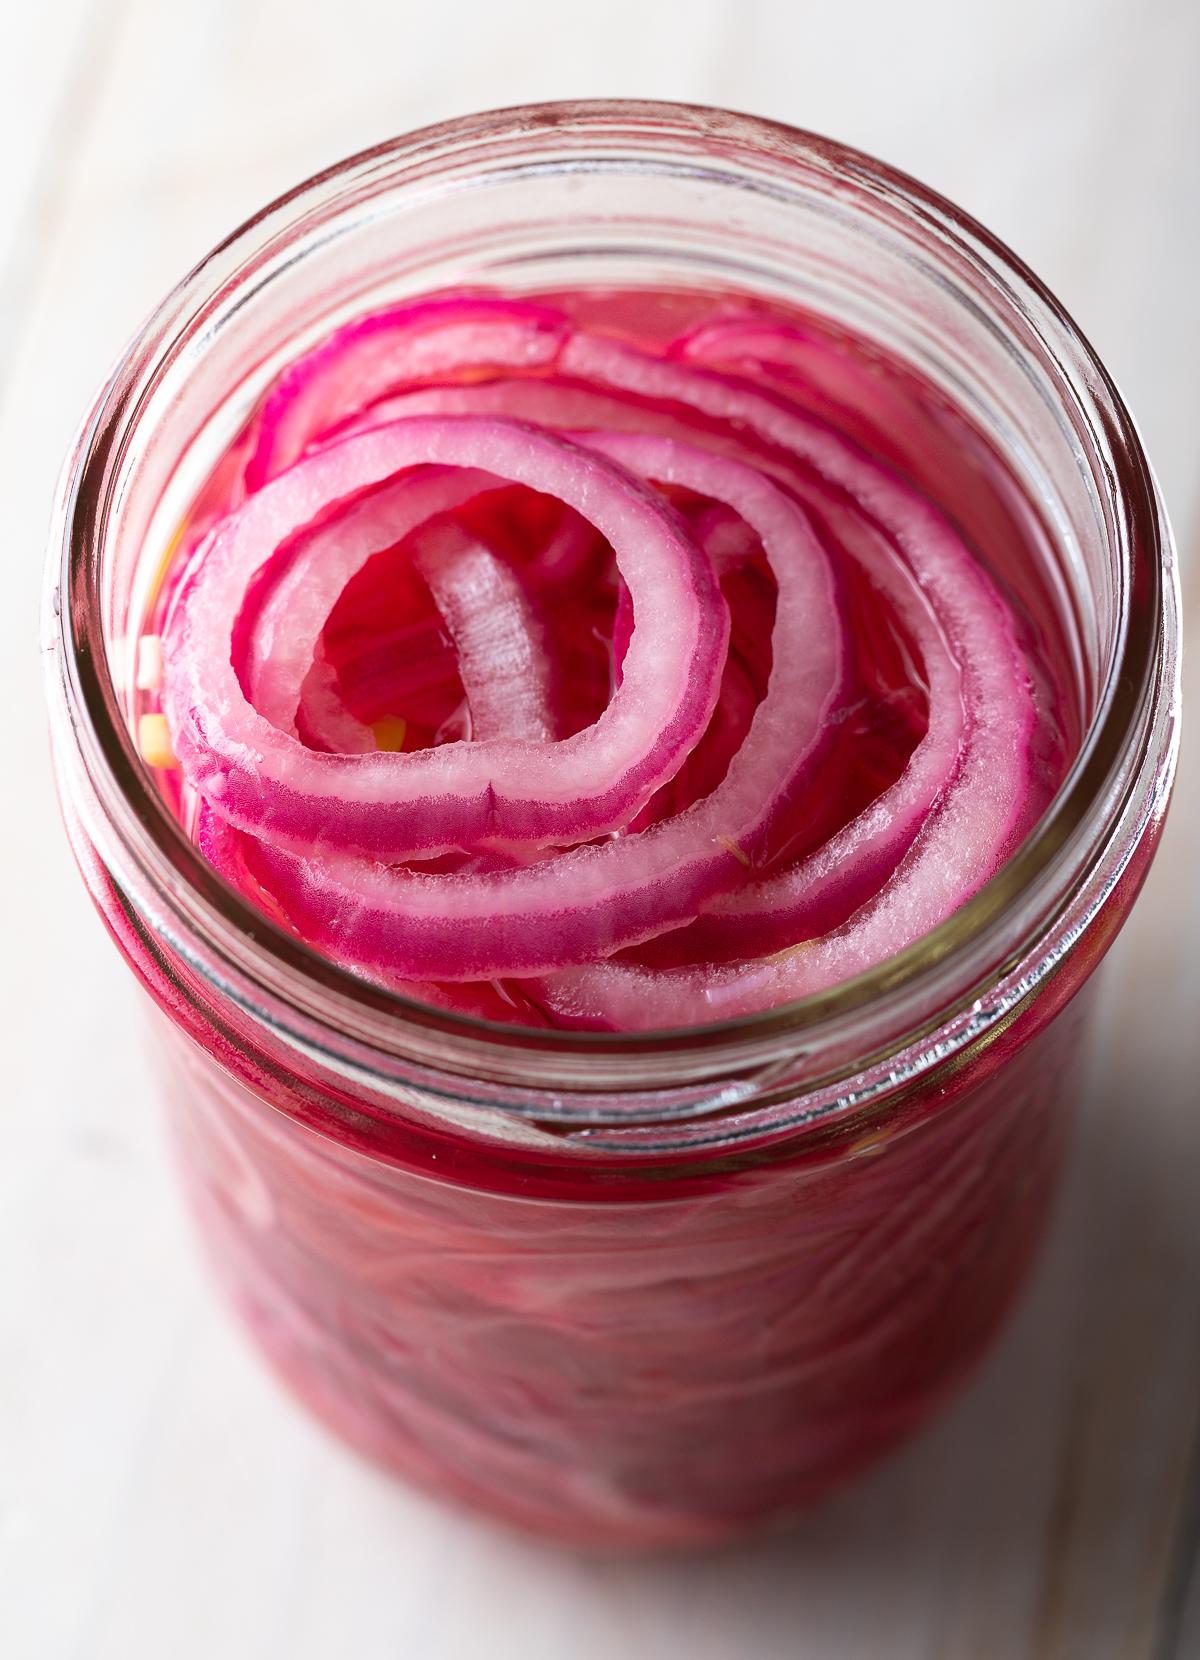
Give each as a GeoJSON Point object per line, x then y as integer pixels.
{"type": "Point", "coordinates": [591, 900]}
{"type": "Point", "coordinates": [501, 653]}
{"type": "Point", "coordinates": [372, 356]}
{"type": "Point", "coordinates": [771, 911]}
{"type": "Point", "coordinates": [394, 805]}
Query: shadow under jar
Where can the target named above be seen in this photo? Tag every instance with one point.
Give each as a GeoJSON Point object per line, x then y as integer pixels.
{"type": "Point", "coordinates": [633, 1288]}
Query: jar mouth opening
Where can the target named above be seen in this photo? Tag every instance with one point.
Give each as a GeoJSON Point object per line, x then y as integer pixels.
{"type": "Point", "coordinates": [1089, 803]}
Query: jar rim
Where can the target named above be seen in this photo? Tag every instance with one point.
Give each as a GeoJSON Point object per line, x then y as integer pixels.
{"type": "Point", "coordinates": [1135, 701]}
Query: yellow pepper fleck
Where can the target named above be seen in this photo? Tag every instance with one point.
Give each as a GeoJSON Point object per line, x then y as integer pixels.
{"type": "Point", "coordinates": [154, 741]}
{"type": "Point", "coordinates": [390, 732]}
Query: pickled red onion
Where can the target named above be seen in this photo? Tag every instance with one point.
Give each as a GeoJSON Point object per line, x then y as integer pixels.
{"type": "Point", "coordinates": [591, 900]}
{"type": "Point", "coordinates": [659, 831]}
{"type": "Point", "coordinates": [501, 655]}
{"type": "Point", "coordinates": [372, 356]}
{"type": "Point", "coordinates": [395, 805]}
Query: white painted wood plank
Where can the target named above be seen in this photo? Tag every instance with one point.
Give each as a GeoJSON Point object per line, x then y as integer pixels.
{"type": "Point", "coordinates": [44, 81]}
{"type": "Point", "coordinates": [156, 1494]}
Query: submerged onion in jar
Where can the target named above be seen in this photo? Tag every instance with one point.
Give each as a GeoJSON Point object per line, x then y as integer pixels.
{"type": "Point", "coordinates": [614, 675]}
{"type": "Point", "coordinates": [570, 661]}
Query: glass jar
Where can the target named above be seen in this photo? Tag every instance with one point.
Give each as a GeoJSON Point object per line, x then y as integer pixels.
{"type": "Point", "coordinates": [621, 1289]}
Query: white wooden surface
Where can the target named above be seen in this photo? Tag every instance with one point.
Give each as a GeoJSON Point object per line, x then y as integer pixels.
{"type": "Point", "coordinates": [158, 1497]}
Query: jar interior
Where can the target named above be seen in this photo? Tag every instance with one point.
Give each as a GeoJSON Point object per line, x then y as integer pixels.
{"type": "Point", "coordinates": [579, 222]}
{"type": "Point", "coordinates": [621, 204]}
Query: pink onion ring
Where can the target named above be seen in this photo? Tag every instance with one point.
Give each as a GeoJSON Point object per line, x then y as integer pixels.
{"type": "Point", "coordinates": [421, 341]}
{"type": "Point", "coordinates": [394, 805]}
{"type": "Point", "coordinates": [591, 900]}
